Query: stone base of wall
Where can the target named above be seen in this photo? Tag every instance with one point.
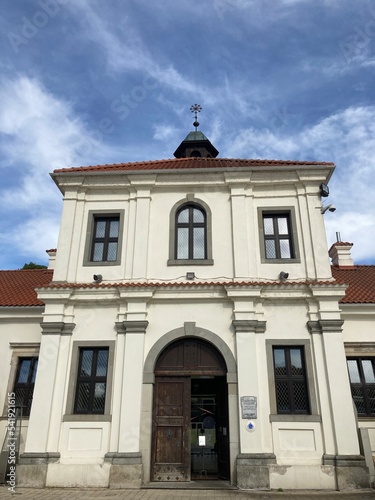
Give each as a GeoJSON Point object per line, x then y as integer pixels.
{"type": "Point", "coordinates": [126, 470]}
{"type": "Point", "coordinates": [32, 469]}
{"type": "Point", "coordinates": [253, 470]}
{"type": "Point", "coordinates": [351, 471]}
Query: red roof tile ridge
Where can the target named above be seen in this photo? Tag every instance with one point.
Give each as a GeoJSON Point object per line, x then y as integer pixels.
{"type": "Point", "coordinates": [189, 159]}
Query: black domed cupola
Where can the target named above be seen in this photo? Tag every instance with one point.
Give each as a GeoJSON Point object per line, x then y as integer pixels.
{"type": "Point", "coordinates": [196, 144]}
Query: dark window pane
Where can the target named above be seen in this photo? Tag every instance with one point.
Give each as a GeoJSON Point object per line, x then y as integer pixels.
{"type": "Point", "coordinates": [198, 244]}
{"type": "Point", "coordinates": [359, 401]}
{"type": "Point", "coordinates": [353, 371]}
{"type": "Point", "coordinates": [368, 371]}
{"type": "Point", "coordinates": [282, 223]}
{"type": "Point", "coordinates": [296, 362]}
{"type": "Point", "coordinates": [285, 249]}
{"type": "Point", "coordinates": [114, 228]}
{"type": "Point", "coordinates": [24, 371]}
{"type": "Point", "coordinates": [83, 397]}
{"type": "Point", "coordinates": [112, 251]}
{"type": "Point", "coordinates": [100, 228]}
{"type": "Point", "coordinates": [86, 363]}
{"type": "Point", "coordinates": [268, 226]}
{"type": "Point", "coordinates": [282, 394]}
{"type": "Point", "coordinates": [183, 216]}
{"type": "Point", "coordinates": [99, 398]}
{"type": "Point", "coordinates": [270, 249]}
{"type": "Point", "coordinates": [280, 363]}
{"type": "Point", "coordinates": [183, 243]}
{"type": "Point", "coordinates": [101, 366]}
{"type": "Point", "coordinates": [198, 215]}
{"type": "Point", "coordinates": [98, 252]}
{"type": "Point", "coordinates": [299, 395]}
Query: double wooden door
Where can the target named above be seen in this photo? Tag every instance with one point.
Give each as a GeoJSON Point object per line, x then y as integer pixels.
{"type": "Point", "coordinates": [182, 361]}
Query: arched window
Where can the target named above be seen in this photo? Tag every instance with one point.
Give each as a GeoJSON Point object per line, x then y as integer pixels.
{"type": "Point", "coordinates": [191, 233]}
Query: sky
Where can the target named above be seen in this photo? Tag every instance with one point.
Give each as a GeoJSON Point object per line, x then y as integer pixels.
{"type": "Point", "coordinates": [85, 82]}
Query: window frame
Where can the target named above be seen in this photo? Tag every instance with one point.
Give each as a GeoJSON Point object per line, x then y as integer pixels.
{"type": "Point", "coordinates": [275, 212]}
{"type": "Point", "coordinates": [29, 385]}
{"type": "Point", "coordinates": [362, 384]}
{"type": "Point", "coordinates": [93, 216]}
{"type": "Point", "coordinates": [313, 415]}
{"type": "Point", "coordinates": [176, 209]}
{"type": "Point", "coordinates": [20, 350]}
{"type": "Point", "coordinates": [70, 415]}
{"type": "Point", "coordinates": [91, 380]}
{"type": "Point", "coordinates": [190, 226]}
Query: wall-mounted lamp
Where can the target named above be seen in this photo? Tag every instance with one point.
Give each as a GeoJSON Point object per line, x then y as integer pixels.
{"type": "Point", "coordinates": [190, 276]}
{"type": "Point", "coordinates": [330, 208]}
{"type": "Point", "coordinates": [98, 278]}
{"type": "Point", "coordinates": [283, 276]}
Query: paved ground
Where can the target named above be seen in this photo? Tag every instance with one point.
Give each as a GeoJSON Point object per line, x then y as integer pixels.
{"type": "Point", "coordinates": [177, 494]}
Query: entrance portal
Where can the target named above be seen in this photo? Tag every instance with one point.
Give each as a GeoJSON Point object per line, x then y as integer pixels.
{"type": "Point", "coordinates": [190, 420]}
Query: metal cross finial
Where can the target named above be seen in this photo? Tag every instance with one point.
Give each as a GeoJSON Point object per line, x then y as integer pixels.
{"type": "Point", "coordinates": [196, 108]}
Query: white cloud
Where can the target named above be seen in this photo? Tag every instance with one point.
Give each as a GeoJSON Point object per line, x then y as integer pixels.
{"type": "Point", "coordinates": [348, 139]}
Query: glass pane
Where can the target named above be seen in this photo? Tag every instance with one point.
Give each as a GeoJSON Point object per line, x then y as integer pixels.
{"type": "Point", "coordinates": [101, 366]}
{"type": "Point", "coordinates": [282, 397]}
{"type": "Point", "coordinates": [358, 399]}
{"type": "Point", "coordinates": [100, 229]}
{"type": "Point", "coordinates": [86, 363]}
{"type": "Point", "coordinates": [183, 216]}
{"type": "Point", "coordinates": [270, 249]}
{"type": "Point", "coordinates": [282, 223]}
{"type": "Point", "coordinates": [285, 249]}
{"type": "Point", "coordinates": [112, 251]}
{"type": "Point", "coordinates": [182, 243]}
{"type": "Point", "coordinates": [279, 359]}
{"type": "Point", "coordinates": [353, 371]}
{"type": "Point", "coordinates": [20, 393]}
{"type": "Point", "coordinates": [23, 374]}
{"type": "Point", "coordinates": [98, 252]}
{"type": "Point", "coordinates": [99, 398]}
{"type": "Point", "coordinates": [198, 215]}
{"type": "Point", "coordinates": [371, 400]}
{"type": "Point", "coordinates": [296, 362]}
{"type": "Point", "coordinates": [198, 243]}
{"type": "Point", "coordinates": [83, 397]}
{"type": "Point", "coordinates": [300, 397]}
{"type": "Point", "coordinates": [268, 225]}
{"type": "Point", "coordinates": [368, 371]}
{"type": "Point", "coordinates": [34, 371]}
{"type": "Point", "coordinates": [113, 229]}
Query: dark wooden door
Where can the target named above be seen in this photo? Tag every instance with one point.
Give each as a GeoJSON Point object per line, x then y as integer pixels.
{"type": "Point", "coordinates": [171, 429]}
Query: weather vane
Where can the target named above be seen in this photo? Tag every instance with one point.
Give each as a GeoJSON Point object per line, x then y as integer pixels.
{"type": "Point", "coordinates": [196, 108]}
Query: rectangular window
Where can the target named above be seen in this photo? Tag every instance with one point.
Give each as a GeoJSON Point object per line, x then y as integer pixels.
{"type": "Point", "coordinates": [105, 239]}
{"type": "Point", "coordinates": [290, 380]}
{"type": "Point", "coordinates": [362, 382]}
{"type": "Point", "coordinates": [24, 383]}
{"type": "Point", "coordinates": [277, 236]}
{"type": "Point", "coordinates": [91, 381]}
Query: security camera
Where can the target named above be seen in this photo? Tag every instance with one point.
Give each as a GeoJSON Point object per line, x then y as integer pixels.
{"type": "Point", "coordinates": [330, 208]}
{"type": "Point", "coordinates": [98, 278]}
{"type": "Point", "coordinates": [283, 275]}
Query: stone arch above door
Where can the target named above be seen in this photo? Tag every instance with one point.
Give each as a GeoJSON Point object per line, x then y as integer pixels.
{"type": "Point", "coordinates": [189, 330]}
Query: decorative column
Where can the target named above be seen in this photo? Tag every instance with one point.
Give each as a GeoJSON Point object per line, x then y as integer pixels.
{"type": "Point", "coordinates": [47, 407]}
{"type": "Point", "coordinates": [255, 437]}
{"type": "Point", "coordinates": [126, 468]}
{"type": "Point", "coordinates": [350, 466]}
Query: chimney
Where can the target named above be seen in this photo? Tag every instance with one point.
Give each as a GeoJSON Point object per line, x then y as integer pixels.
{"type": "Point", "coordinates": [52, 258]}
{"type": "Point", "coordinates": [340, 254]}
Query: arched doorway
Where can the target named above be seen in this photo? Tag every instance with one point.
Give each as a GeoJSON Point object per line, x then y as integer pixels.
{"type": "Point", "coordinates": [190, 413]}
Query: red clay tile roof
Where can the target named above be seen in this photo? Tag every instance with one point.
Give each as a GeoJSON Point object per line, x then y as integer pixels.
{"type": "Point", "coordinates": [361, 281]}
{"type": "Point", "coordinates": [17, 288]}
{"type": "Point", "coordinates": [186, 163]}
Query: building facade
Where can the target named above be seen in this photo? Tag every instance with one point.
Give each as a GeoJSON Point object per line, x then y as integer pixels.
{"type": "Point", "coordinates": [192, 329]}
